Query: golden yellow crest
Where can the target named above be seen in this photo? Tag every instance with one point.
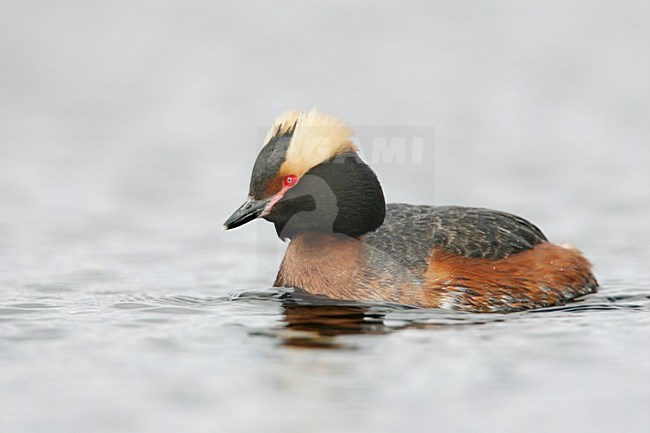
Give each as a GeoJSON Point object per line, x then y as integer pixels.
{"type": "Point", "coordinates": [316, 138]}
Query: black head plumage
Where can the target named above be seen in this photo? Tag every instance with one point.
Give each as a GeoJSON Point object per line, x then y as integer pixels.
{"type": "Point", "coordinates": [341, 195]}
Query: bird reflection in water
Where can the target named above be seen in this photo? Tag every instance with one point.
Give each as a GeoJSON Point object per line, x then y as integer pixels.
{"type": "Point", "coordinates": [312, 322]}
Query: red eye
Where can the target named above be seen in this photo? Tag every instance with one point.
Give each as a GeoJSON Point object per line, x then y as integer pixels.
{"type": "Point", "coordinates": [289, 181]}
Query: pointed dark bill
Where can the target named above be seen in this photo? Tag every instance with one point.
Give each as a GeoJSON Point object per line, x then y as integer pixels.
{"type": "Point", "coordinates": [250, 210]}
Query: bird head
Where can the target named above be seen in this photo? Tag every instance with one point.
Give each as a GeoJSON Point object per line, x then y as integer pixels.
{"type": "Point", "coordinates": [309, 177]}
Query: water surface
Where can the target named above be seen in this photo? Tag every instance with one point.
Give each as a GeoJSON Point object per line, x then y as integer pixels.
{"type": "Point", "coordinates": [127, 135]}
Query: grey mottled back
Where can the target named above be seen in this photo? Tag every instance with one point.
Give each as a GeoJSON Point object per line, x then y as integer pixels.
{"type": "Point", "coordinates": [410, 232]}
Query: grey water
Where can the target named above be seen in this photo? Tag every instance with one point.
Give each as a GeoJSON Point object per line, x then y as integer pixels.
{"type": "Point", "coordinates": [127, 135]}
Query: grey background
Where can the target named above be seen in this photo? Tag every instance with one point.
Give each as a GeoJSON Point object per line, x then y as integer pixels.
{"type": "Point", "coordinates": [127, 135]}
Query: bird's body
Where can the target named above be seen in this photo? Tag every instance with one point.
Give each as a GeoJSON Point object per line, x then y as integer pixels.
{"type": "Point", "coordinates": [450, 257]}
{"type": "Point", "coordinates": [346, 243]}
